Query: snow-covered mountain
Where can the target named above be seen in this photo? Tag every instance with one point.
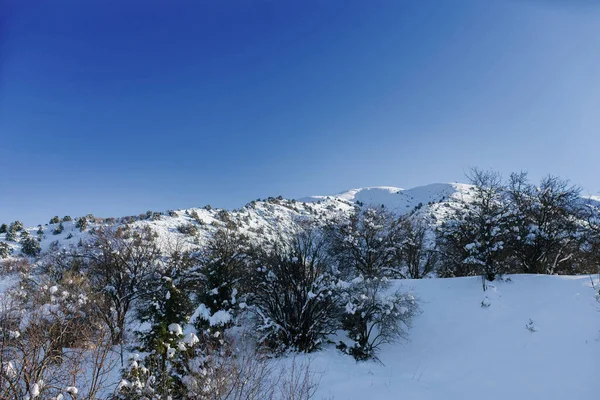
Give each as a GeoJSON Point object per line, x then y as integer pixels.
{"type": "Point", "coordinates": [261, 217]}
{"type": "Point", "coordinates": [266, 217]}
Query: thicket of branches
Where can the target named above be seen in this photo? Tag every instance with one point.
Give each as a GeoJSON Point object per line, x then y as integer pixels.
{"type": "Point", "coordinates": [290, 293]}
{"type": "Point", "coordinates": [518, 227]}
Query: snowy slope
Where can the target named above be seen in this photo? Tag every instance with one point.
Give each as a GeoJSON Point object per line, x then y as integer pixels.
{"type": "Point", "coordinates": [459, 350]}
{"type": "Point", "coordinates": [264, 218]}
{"type": "Point", "coordinates": [399, 200]}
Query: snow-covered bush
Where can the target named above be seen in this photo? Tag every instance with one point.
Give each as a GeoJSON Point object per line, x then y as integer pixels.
{"type": "Point", "coordinates": [81, 224]}
{"type": "Point", "coordinates": [367, 250]}
{"type": "Point", "coordinates": [50, 344]}
{"type": "Point", "coordinates": [187, 229]}
{"type": "Point", "coordinates": [13, 228]}
{"type": "Point", "coordinates": [231, 371]}
{"type": "Point", "coordinates": [369, 242]}
{"type": "Point", "coordinates": [5, 250]}
{"type": "Point", "coordinates": [59, 229]}
{"type": "Point", "coordinates": [16, 226]}
{"type": "Point", "coordinates": [294, 297]}
{"type": "Point", "coordinates": [373, 316]}
{"type": "Point", "coordinates": [30, 246]}
{"type": "Point", "coordinates": [223, 265]}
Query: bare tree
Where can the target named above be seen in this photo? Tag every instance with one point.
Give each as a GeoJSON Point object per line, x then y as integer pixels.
{"type": "Point", "coordinates": [546, 224]}
{"type": "Point", "coordinates": [369, 242]}
{"type": "Point", "coordinates": [419, 256]}
{"type": "Point", "coordinates": [123, 267]}
{"type": "Point", "coordinates": [472, 240]}
{"type": "Point", "coordinates": [50, 344]}
{"type": "Point", "coordinates": [368, 250]}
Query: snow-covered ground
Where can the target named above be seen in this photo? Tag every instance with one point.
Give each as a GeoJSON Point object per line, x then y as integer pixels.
{"type": "Point", "coordinates": [461, 350]}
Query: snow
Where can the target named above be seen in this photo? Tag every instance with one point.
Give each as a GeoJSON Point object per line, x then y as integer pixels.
{"type": "Point", "coordinates": [72, 389]}
{"type": "Point", "coordinates": [35, 390]}
{"type": "Point", "coordinates": [191, 339]}
{"type": "Point", "coordinates": [175, 329]}
{"type": "Point", "coordinates": [219, 318]}
{"type": "Point", "coordinates": [460, 350]}
{"type": "Point", "coordinates": [396, 199]}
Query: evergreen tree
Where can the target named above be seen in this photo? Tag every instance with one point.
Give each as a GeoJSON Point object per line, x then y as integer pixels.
{"type": "Point", "coordinates": [55, 220]}
{"type": "Point", "coordinates": [168, 309]}
{"type": "Point", "coordinates": [223, 263]}
{"type": "Point", "coordinates": [3, 228]}
{"type": "Point", "coordinates": [67, 218]}
{"type": "Point", "coordinates": [24, 234]}
{"type": "Point", "coordinates": [30, 246]}
{"type": "Point", "coordinates": [11, 233]}
{"type": "Point", "coordinates": [81, 224]}
{"type": "Point", "coordinates": [59, 229]}
{"type": "Point", "coordinates": [11, 236]}
{"type": "Point", "coordinates": [16, 226]}
{"type": "Point", "coordinates": [5, 250]}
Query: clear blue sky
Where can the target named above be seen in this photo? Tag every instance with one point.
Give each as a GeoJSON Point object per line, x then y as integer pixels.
{"type": "Point", "coordinates": [115, 107]}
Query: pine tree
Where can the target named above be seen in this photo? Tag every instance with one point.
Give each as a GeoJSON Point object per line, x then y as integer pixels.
{"type": "Point", "coordinates": [5, 250]}
{"type": "Point", "coordinates": [11, 233]}
{"type": "Point", "coordinates": [3, 228]}
{"type": "Point", "coordinates": [223, 263]}
{"type": "Point", "coordinates": [30, 246]}
{"type": "Point", "coordinates": [59, 229]}
{"type": "Point", "coordinates": [11, 236]}
{"type": "Point", "coordinates": [167, 311]}
{"type": "Point", "coordinates": [16, 226]}
{"type": "Point", "coordinates": [81, 224]}
{"type": "Point", "coordinates": [55, 220]}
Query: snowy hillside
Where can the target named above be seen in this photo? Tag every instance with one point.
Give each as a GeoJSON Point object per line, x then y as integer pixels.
{"type": "Point", "coordinates": [265, 218]}
{"type": "Point", "coordinates": [262, 217]}
{"type": "Point", "coordinates": [461, 350]}
{"type": "Point", "coordinates": [399, 200]}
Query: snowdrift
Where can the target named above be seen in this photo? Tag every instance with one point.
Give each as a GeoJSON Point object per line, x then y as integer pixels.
{"type": "Point", "coordinates": [461, 350]}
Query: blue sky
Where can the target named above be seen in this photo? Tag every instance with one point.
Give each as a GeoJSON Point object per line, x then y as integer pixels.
{"type": "Point", "coordinates": [118, 107]}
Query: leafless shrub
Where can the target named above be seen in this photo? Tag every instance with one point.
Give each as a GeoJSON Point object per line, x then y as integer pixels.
{"type": "Point", "coordinates": [48, 347]}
